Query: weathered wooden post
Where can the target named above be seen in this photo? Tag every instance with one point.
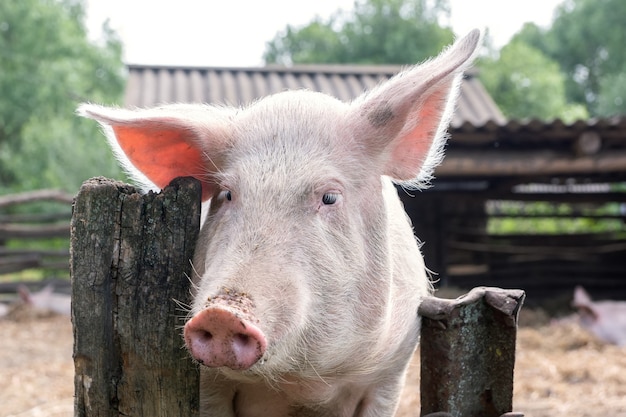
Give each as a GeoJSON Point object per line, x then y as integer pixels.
{"type": "Point", "coordinates": [468, 353]}
{"type": "Point", "coordinates": [130, 263]}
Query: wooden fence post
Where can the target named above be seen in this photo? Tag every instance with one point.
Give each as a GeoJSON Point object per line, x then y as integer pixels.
{"type": "Point", "coordinates": [467, 353]}
{"type": "Point", "coordinates": [130, 263]}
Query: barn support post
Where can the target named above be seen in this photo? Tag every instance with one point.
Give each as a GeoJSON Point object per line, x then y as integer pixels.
{"type": "Point", "coordinates": [468, 353]}
{"type": "Point", "coordinates": [130, 269]}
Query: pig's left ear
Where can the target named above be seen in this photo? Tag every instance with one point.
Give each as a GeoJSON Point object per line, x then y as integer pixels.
{"type": "Point", "coordinates": [157, 145]}
{"type": "Point", "coordinates": [404, 120]}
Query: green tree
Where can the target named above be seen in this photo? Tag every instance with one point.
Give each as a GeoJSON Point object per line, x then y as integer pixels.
{"type": "Point", "coordinates": [375, 32]}
{"type": "Point", "coordinates": [48, 66]}
{"type": "Point", "coordinates": [587, 39]}
{"type": "Point", "coordinates": [612, 94]}
{"type": "Point", "coordinates": [527, 84]}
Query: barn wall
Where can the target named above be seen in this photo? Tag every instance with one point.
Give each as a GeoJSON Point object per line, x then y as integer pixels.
{"type": "Point", "coordinates": [459, 249]}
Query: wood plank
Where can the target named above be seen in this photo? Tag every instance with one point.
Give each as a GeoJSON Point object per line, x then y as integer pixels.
{"type": "Point", "coordinates": [32, 196]}
{"type": "Point", "coordinates": [469, 162]}
{"type": "Point", "coordinates": [17, 231]}
{"type": "Point", "coordinates": [130, 266]}
{"type": "Point", "coordinates": [617, 247]}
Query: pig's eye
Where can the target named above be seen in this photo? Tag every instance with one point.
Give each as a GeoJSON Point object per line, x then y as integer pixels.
{"type": "Point", "coordinates": [226, 195]}
{"type": "Point", "coordinates": [330, 198]}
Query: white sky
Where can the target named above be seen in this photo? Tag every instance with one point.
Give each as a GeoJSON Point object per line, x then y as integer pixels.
{"type": "Point", "coordinates": [234, 32]}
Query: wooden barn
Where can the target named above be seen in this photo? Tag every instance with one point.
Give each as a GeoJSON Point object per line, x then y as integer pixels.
{"type": "Point", "coordinates": [499, 179]}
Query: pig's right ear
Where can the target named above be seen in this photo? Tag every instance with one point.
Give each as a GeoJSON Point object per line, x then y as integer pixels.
{"type": "Point", "coordinates": [157, 145]}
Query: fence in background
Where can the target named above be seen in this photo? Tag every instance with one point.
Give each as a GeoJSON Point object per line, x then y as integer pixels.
{"type": "Point", "coordinates": [34, 232]}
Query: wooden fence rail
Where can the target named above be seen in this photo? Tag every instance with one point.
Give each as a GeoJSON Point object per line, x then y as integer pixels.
{"type": "Point", "coordinates": [129, 271]}
{"type": "Point", "coordinates": [33, 232]}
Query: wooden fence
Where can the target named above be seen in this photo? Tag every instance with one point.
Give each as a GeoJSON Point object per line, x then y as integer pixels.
{"type": "Point", "coordinates": [130, 268]}
{"type": "Point", "coordinates": [38, 238]}
{"type": "Point", "coordinates": [460, 247]}
{"type": "Point", "coordinates": [454, 226]}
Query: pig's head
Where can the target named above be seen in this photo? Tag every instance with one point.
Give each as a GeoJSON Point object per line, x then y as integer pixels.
{"type": "Point", "coordinates": [305, 249]}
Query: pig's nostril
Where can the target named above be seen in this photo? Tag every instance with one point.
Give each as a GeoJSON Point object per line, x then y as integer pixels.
{"type": "Point", "coordinates": [242, 339]}
{"type": "Point", "coordinates": [205, 336]}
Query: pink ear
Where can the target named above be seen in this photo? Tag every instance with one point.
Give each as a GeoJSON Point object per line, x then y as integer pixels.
{"type": "Point", "coordinates": [162, 155]}
{"type": "Point", "coordinates": [24, 294]}
{"type": "Point", "coordinates": [420, 133]}
{"type": "Point", "coordinates": [405, 119]}
{"type": "Point", "coordinates": [581, 297]}
{"type": "Point", "coordinates": [583, 303]}
{"type": "Point", "coordinates": [162, 144]}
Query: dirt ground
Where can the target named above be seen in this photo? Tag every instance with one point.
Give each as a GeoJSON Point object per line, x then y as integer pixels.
{"type": "Point", "coordinates": [560, 371]}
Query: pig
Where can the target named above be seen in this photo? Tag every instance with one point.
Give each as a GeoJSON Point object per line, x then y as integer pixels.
{"type": "Point", "coordinates": [4, 310]}
{"type": "Point", "coordinates": [605, 319]}
{"type": "Point", "coordinates": [46, 300]}
{"type": "Point", "coordinates": [307, 273]}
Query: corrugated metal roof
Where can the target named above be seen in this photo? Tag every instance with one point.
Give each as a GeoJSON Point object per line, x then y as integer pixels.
{"type": "Point", "coordinates": [483, 142]}
{"type": "Point", "coordinates": [152, 85]}
{"type": "Point", "coordinates": [606, 133]}
{"type": "Point", "coordinates": [531, 127]}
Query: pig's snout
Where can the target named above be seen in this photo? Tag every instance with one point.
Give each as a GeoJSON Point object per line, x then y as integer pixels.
{"type": "Point", "coordinates": [219, 337]}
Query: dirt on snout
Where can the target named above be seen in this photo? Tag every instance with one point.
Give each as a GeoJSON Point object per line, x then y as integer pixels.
{"type": "Point", "coordinates": [561, 370]}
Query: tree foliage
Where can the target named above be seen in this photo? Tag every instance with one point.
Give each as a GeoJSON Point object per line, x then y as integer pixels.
{"type": "Point", "coordinates": [571, 70]}
{"type": "Point", "coordinates": [375, 32]}
{"type": "Point", "coordinates": [525, 83]}
{"type": "Point", "coordinates": [587, 39]}
{"type": "Point", "coordinates": [47, 66]}
{"type": "Point", "coordinates": [611, 94]}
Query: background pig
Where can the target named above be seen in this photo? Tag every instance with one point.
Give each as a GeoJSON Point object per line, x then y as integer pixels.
{"type": "Point", "coordinates": [46, 300]}
{"type": "Point", "coordinates": [36, 304]}
{"type": "Point", "coordinates": [605, 319]}
{"type": "Point", "coordinates": [308, 273]}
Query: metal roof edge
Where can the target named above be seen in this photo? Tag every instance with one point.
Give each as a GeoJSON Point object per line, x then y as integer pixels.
{"type": "Point", "coordinates": [578, 124]}
{"type": "Point", "coordinates": [342, 69]}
